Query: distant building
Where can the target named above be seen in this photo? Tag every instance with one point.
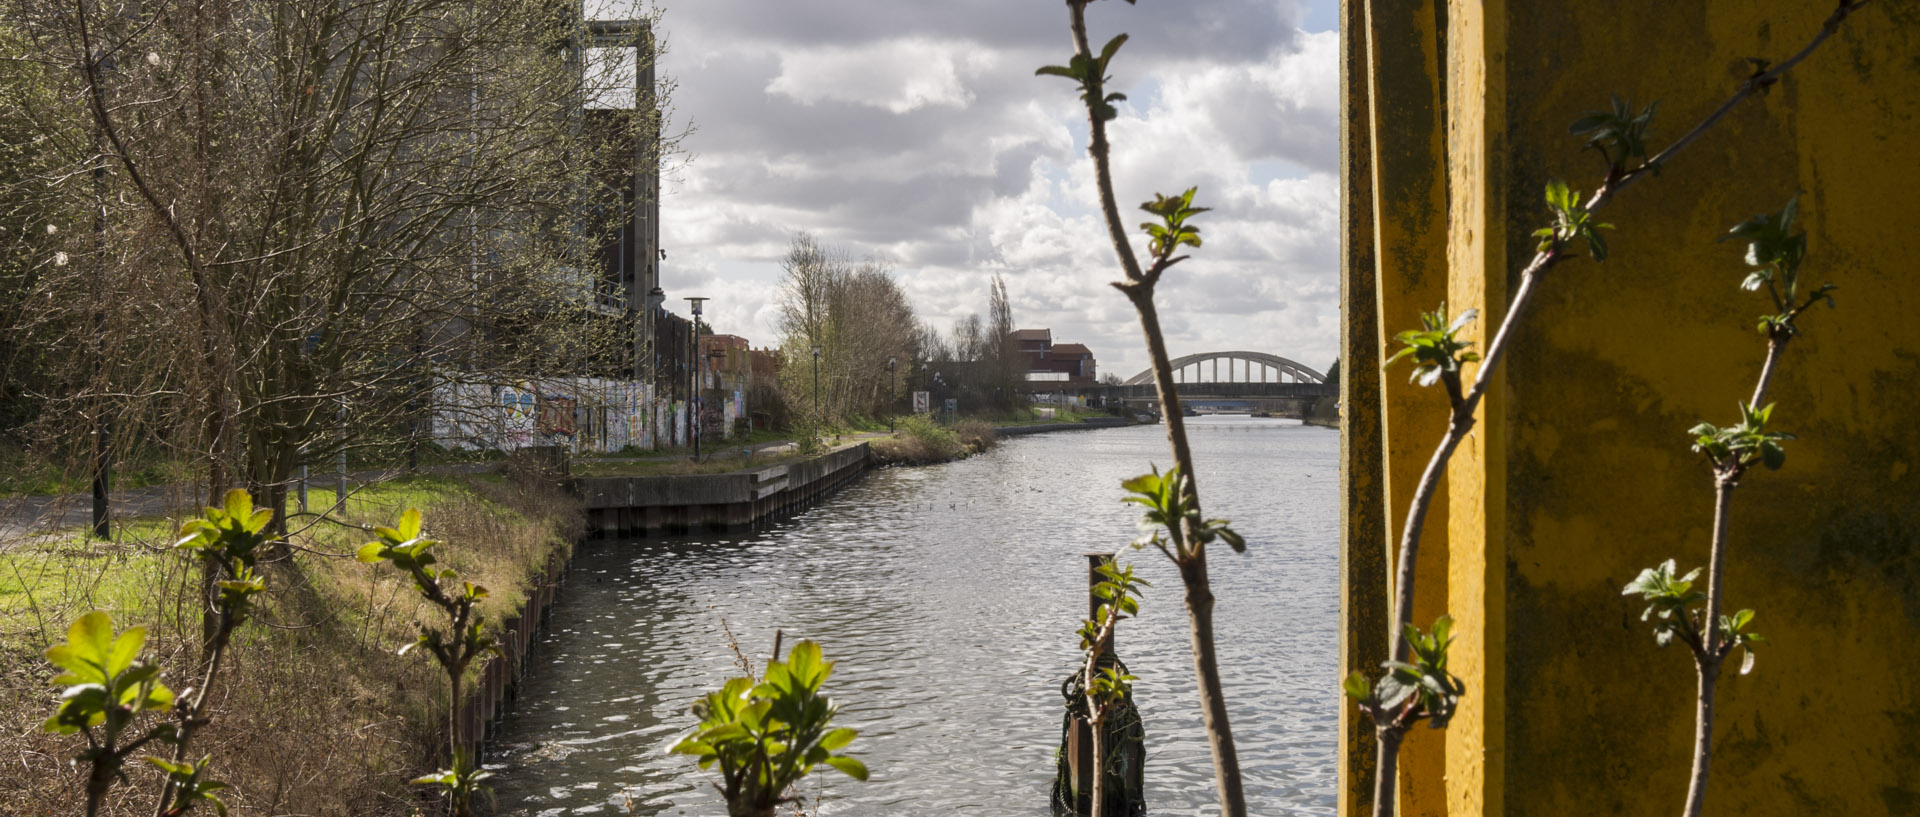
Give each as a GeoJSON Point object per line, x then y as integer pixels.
{"type": "Point", "coordinates": [1033, 343]}
{"type": "Point", "coordinates": [766, 363]}
{"type": "Point", "coordinates": [1050, 362]}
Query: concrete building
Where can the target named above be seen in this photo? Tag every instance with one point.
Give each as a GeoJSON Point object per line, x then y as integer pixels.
{"type": "Point", "coordinates": [628, 283]}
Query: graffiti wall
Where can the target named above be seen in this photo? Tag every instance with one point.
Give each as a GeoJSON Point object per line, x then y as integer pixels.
{"type": "Point", "coordinates": [588, 415]}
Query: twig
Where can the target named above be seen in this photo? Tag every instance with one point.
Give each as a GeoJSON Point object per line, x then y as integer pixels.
{"type": "Point", "coordinates": [1189, 548]}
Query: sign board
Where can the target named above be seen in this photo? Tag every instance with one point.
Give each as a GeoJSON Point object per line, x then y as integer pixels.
{"type": "Point", "coordinates": [922, 402]}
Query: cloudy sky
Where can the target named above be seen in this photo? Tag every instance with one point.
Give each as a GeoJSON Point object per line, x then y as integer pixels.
{"type": "Point", "coordinates": [915, 131]}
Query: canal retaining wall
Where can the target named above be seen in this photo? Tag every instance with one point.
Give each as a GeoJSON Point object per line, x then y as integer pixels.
{"type": "Point", "coordinates": [645, 506]}
{"type": "Point", "coordinates": [1042, 428]}
{"type": "Point", "coordinates": [491, 693]}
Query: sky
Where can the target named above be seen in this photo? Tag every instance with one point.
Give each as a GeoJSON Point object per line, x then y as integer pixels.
{"type": "Point", "coordinates": [915, 132]}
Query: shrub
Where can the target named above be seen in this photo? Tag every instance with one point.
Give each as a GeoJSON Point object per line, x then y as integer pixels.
{"type": "Point", "coordinates": [975, 435]}
{"type": "Point", "coordinates": [764, 736]}
{"type": "Point", "coordinates": [919, 442]}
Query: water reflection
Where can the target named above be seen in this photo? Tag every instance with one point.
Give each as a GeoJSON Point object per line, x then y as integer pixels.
{"type": "Point", "coordinates": [949, 596]}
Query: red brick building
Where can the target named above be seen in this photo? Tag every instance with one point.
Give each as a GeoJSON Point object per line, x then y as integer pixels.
{"type": "Point", "coordinates": [1048, 361]}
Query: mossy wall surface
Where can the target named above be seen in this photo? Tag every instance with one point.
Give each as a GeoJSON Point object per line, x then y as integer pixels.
{"type": "Point", "coordinates": [1579, 474]}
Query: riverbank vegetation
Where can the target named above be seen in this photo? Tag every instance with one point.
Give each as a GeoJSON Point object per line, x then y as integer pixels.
{"type": "Point", "coordinates": [920, 441]}
{"type": "Point", "coordinates": [313, 711]}
{"type": "Point", "coordinates": [852, 347]}
{"type": "Point", "coordinates": [266, 276]}
{"type": "Point", "coordinates": [1325, 411]}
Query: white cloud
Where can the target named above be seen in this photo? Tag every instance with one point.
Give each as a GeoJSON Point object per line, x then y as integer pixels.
{"type": "Point", "coordinates": [927, 141]}
{"type": "Point", "coordinates": [898, 75]}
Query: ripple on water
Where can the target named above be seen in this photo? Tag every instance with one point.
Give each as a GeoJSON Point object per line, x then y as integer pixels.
{"type": "Point", "coordinates": [949, 596]}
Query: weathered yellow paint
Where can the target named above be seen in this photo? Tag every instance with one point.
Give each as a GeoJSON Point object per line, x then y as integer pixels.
{"type": "Point", "coordinates": [1578, 474]}
{"type": "Point", "coordinates": [1363, 529]}
{"type": "Point", "coordinates": [1477, 254]}
{"type": "Point", "coordinates": [1410, 239]}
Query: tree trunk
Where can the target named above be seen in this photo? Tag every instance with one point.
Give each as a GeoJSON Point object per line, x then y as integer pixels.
{"type": "Point", "coordinates": [1385, 778]}
{"type": "Point", "coordinates": [1702, 739]}
{"type": "Point", "coordinates": [1097, 800]}
{"type": "Point", "coordinates": [1213, 703]}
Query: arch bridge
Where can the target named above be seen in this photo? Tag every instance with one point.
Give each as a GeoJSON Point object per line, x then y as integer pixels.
{"type": "Point", "coordinates": [1255, 367]}
{"type": "Point", "coordinates": [1227, 382]}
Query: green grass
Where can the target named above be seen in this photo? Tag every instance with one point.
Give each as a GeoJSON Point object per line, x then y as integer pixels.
{"type": "Point", "coordinates": [317, 708]}
{"type": "Point", "coordinates": [69, 569]}
{"type": "Point", "coordinates": [29, 473]}
{"type": "Point", "coordinates": [389, 455]}
{"type": "Point", "coordinates": [45, 579]}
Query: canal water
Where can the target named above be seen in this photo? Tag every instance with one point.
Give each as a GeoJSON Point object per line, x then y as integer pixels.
{"type": "Point", "coordinates": [950, 597]}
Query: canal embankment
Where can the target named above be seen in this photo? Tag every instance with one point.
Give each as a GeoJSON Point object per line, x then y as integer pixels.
{"type": "Point", "coordinates": [318, 712]}
{"type": "Point", "coordinates": [618, 505]}
{"type": "Point", "coordinates": [629, 506]}
{"type": "Point", "coordinates": [1087, 424]}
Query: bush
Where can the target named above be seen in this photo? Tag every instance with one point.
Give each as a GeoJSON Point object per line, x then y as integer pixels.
{"type": "Point", "coordinates": [919, 442]}
{"type": "Point", "coordinates": [976, 435]}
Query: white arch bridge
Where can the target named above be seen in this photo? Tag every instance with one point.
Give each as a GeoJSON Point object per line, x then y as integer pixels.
{"type": "Point", "coordinates": [1226, 381]}
{"type": "Point", "coordinates": [1254, 367]}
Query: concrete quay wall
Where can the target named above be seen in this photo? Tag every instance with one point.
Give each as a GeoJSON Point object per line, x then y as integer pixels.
{"type": "Point", "coordinates": [650, 506]}
{"type": "Point", "coordinates": [1042, 428]}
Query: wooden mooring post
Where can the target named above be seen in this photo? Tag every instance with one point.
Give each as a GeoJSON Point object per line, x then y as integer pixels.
{"type": "Point", "coordinates": [1080, 737]}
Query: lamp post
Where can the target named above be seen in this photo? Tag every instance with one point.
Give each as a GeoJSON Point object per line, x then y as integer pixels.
{"type": "Point", "coordinates": [693, 378]}
{"type": "Point", "coordinates": [891, 397]}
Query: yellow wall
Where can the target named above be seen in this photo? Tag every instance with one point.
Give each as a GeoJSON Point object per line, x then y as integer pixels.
{"type": "Point", "coordinates": [1579, 474]}
{"type": "Point", "coordinates": [1410, 237]}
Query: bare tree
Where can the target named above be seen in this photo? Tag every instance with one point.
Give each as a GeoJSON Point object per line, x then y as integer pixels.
{"type": "Point", "coordinates": [857, 316]}
{"type": "Point", "coordinates": [316, 210]}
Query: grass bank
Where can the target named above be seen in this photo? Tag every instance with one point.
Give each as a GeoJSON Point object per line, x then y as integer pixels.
{"type": "Point", "coordinates": [316, 714]}
{"type": "Point", "coordinates": [921, 442]}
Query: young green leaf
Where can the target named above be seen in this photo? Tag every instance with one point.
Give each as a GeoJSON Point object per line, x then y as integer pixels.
{"type": "Point", "coordinates": [1435, 348]}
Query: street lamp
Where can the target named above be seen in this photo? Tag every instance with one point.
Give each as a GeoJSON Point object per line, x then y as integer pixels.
{"type": "Point", "coordinates": [693, 378]}
{"type": "Point", "coordinates": [891, 397]}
